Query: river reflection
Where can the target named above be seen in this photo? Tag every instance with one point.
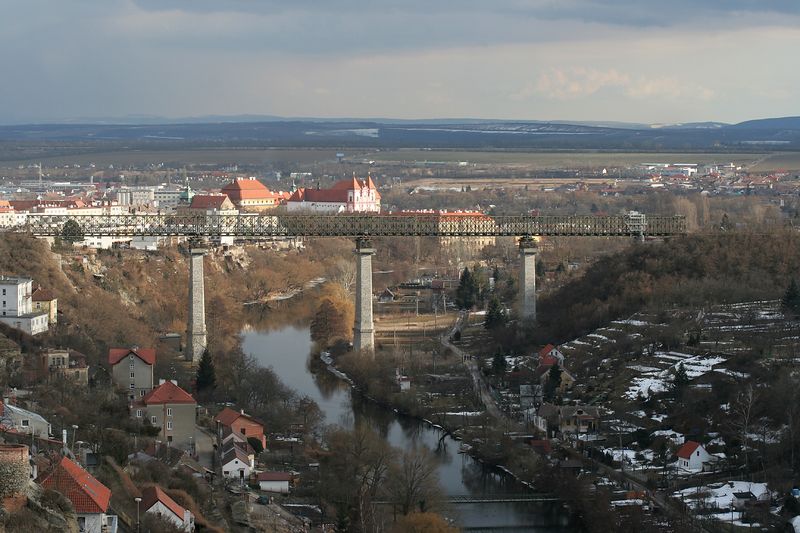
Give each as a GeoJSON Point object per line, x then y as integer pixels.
{"type": "Point", "coordinates": [288, 351]}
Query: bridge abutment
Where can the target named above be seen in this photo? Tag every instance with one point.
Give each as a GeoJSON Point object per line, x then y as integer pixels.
{"type": "Point", "coordinates": [364, 327]}
{"type": "Point", "coordinates": [196, 341]}
{"type": "Point", "coordinates": [527, 278]}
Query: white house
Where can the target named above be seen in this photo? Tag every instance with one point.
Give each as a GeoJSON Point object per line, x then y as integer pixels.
{"type": "Point", "coordinates": [352, 195]}
{"type": "Point", "coordinates": [236, 464]}
{"type": "Point", "coordinates": [156, 501]}
{"type": "Point", "coordinates": [274, 481]}
{"type": "Point", "coordinates": [692, 456]}
{"type": "Point", "coordinates": [13, 418]}
{"type": "Point", "coordinates": [16, 305]}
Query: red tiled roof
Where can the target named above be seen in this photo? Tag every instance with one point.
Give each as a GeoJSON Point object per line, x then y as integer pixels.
{"type": "Point", "coordinates": [87, 495]}
{"type": "Point", "coordinates": [42, 295]}
{"type": "Point", "coordinates": [154, 494]}
{"type": "Point", "coordinates": [546, 350]}
{"type": "Point", "coordinates": [246, 189]}
{"type": "Point", "coordinates": [274, 476]}
{"type": "Point", "coordinates": [227, 416]}
{"type": "Point", "coordinates": [349, 184]}
{"type": "Point", "coordinates": [688, 449]}
{"type": "Point", "coordinates": [208, 201]}
{"type": "Point", "coordinates": [167, 393]}
{"type": "Point", "coordinates": [115, 355]}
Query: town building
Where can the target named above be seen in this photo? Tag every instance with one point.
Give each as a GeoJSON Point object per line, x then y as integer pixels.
{"type": "Point", "coordinates": [351, 195]}
{"type": "Point", "coordinates": [66, 365]}
{"type": "Point", "coordinates": [132, 369]}
{"type": "Point", "coordinates": [156, 501]}
{"type": "Point", "coordinates": [241, 424]}
{"type": "Point", "coordinates": [274, 481]}
{"type": "Point", "coordinates": [249, 194]}
{"type": "Point", "coordinates": [693, 455]}
{"type": "Point", "coordinates": [19, 420]}
{"type": "Point", "coordinates": [213, 205]}
{"type": "Point", "coordinates": [172, 410]}
{"type": "Point", "coordinates": [44, 301]}
{"type": "Point", "coordinates": [89, 497]}
{"type": "Point", "coordinates": [237, 464]}
{"type": "Point", "coordinates": [17, 305]}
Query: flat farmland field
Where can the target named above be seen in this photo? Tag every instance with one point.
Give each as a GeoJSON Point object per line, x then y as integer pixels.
{"type": "Point", "coordinates": [788, 161]}
{"type": "Point", "coordinates": [559, 160]}
{"type": "Point", "coordinates": [200, 156]}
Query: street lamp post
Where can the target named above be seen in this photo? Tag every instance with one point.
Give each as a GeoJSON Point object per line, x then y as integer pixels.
{"type": "Point", "coordinates": [138, 527]}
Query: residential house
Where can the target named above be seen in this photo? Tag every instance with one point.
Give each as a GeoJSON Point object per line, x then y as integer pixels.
{"type": "Point", "coordinates": [89, 497]}
{"type": "Point", "coordinates": [16, 305]}
{"type": "Point", "coordinates": [13, 418]}
{"type": "Point", "coordinates": [693, 455]}
{"type": "Point", "coordinates": [172, 410]}
{"type": "Point", "coordinates": [351, 195]}
{"type": "Point", "coordinates": [132, 369]}
{"type": "Point", "coordinates": [236, 464]}
{"type": "Point", "coordinates": [156, 501]}
{"type": "Point", "coordinates": [550, 355]}
{"type": "Point", "coordinates": [65, 364]}
{"type": "Point", "coordinates": [44, 301]}
{"type": "Point", "coordinates": [574, 419]}
{"type": "Point", "coordinates": [241, 423]}
{"type": "Point", "coordinates": [274, 481]}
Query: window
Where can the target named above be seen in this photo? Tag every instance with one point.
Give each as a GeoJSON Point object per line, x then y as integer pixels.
{"type": "Point", "coordinates": [4, 303]}
{"type": "Point", "coordinates": [26, 423]}
{"type": "Point", "coordinates": [132, 375]}
{"type": "Point", "coordinates": [244, 431]}
{"type": "Point", "coordinates": [133, 386]}
{"type": "Point", "coordinates": [138, 413]}
{"type": "Point", "coordinates": [4, 292]}
{"type": "Point", "coordinates": [169, 411]}
{"type": "Point", "coordinates": [131, 365]}
{"type": "Point", "coordinates": [141, 392]}
{"type": "Point", "coordinates": [169, 424]}
{"type": "Point", "coordinates": [153, 420]}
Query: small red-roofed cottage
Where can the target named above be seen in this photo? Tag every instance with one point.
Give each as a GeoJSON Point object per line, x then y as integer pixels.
{"type": "Point", "coordinates": [89, 497]}
{"type": "Point", "coordinates": [172, 410]}
{"type": "Point", "coordinates": [550, 355]}
{"type": "Point", "coordinates": [240, 423]}
{"type": "Point", "coordinates": [249, 194]}
{"type": "Point", "coordinates": [44, 301]}
{"type": "Point", "coordinates": [132, 369]}
{"type": "Point", "coordinates": [274, 481]}
{"type": "Point", "coordinates": [692, 456]}
{"type": "Point", "coordinates": [156, 501]}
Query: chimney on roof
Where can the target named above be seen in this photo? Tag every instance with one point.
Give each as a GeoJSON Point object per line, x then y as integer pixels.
{"type": "Point", "coordinates": [161, 381]}
{"type": "Point", "coordinates": [241, 411]}
{"type": "Point", "coordinates": [64, 437]}
{"type": "Point", "coordinates": [174, 382]}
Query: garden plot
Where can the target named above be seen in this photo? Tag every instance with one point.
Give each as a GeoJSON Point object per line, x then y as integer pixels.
{"type": "Point", "coordinates": [656, 380]}
{"type": "Point", "coordinates": [715, 501]}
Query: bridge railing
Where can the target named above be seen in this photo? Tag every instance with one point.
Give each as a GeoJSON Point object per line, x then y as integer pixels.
{"type": "Point", "coordinates": [292, 225]}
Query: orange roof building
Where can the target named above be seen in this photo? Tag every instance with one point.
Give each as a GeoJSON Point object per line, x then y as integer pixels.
{"type": "Point", "coordinates": [173, 411]}
{"type": "Point", "coordinates": [250, 194]}
{"type": "Point", "coordinates": [158, 502]}
{"type": "Point", "coordinates": [351, 195]}
{"type": "Point", "coordinates": [89, 497]}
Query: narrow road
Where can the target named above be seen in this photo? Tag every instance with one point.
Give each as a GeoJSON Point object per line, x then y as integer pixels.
{"type": "Point", "coordinates": [204, 447]}
{"type": "Point", "coordinates": [478, 381]}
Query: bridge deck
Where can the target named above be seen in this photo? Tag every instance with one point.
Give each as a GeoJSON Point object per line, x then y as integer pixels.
{"type": "Point", "coordinates": [285, 225]}
{"type": "Point", "coordinates": [491, 498]}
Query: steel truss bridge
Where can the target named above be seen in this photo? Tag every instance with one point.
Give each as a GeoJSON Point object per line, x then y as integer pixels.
{"type": "Point", "coordinates": [254, 226]}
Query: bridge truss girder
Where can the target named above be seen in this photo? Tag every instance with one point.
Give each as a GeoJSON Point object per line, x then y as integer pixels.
{"type": "Point", "coordinates": [246, 226]}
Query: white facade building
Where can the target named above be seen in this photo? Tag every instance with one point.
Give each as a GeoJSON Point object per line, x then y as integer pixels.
{"type": "Point", "coordinates": [16, 305]}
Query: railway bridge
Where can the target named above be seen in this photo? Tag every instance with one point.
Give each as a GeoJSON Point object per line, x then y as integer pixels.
{"type": "Point", "coordinates": [361, 227]}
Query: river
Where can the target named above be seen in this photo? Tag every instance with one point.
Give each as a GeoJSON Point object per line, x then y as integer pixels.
{"type": "Point", "coordinates": [287, 351]}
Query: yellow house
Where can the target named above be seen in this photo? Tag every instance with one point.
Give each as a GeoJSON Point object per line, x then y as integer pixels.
{"type": "Point", "coordinates": [45, 302]}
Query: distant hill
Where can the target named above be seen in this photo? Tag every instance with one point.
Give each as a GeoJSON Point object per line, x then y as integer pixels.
{"type": "Point", "coordinates": [258, 131]}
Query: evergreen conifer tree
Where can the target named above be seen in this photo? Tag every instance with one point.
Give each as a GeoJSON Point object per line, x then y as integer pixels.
{"type": "Point", "coordinates": [791, 298]}
{"type": "Point", "coordinates": [206, 375]}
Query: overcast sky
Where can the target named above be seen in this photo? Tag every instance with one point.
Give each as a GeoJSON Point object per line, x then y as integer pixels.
{"type": "Point", "coordinates": [630, 60]}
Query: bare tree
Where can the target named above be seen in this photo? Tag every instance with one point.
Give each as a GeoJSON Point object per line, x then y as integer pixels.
{"type": "Point", "coordinates": [414, 480]}
{"type": "Point", "coordinates": [742, 410]}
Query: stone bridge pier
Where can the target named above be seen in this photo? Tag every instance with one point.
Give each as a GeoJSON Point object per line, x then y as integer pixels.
{"type": "Point", "coordinates": [196, 341]}
{"type": "Point", "coordinates": [364, 327]}
{"type": "Point", "coordinates": [527, 278]}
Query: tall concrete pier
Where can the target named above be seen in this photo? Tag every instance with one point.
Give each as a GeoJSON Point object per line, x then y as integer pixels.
{"type": "Point", "coordinates": [364, 328]}
{"type": "Point", "coordinates": [196, 330]}
{"type": "Point", "coordinates": [527, 278]}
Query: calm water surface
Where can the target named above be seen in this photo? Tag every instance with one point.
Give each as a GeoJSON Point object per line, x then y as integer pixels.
{"type": "Point", "coordinates": [287, 351]}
